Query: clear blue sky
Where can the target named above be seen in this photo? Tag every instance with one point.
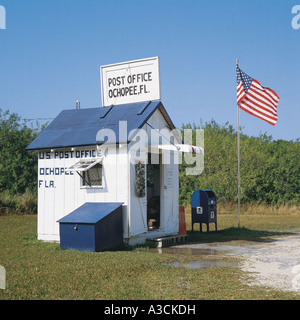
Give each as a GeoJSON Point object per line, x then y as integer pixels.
{"type": "Point", "coordinates": [51, 52]}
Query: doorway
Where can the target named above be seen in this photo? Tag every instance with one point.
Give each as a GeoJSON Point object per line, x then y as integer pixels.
{"type": "Point", "coordinates": [153, 193]}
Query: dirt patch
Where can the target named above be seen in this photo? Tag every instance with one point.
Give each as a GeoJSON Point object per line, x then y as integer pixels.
{"type": "Point", "coordinates": [274, 264]}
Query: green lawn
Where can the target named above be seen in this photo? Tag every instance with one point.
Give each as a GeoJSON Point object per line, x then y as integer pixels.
{"type": "Point", "coordinates": [37, 270]}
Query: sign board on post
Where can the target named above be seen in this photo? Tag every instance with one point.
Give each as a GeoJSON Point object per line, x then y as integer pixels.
{"type": "Point", "coordinates": [132, 81]}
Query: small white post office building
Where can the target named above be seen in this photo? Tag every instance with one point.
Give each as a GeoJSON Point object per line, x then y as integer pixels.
{"type": "Point", "coordinates": [85, 156]}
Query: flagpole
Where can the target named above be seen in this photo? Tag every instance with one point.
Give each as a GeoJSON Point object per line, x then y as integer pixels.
{"type": "Point", "coordinates": [238, 155]}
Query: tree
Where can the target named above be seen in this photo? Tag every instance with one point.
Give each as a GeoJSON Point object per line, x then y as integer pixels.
{"type": "Point", "coordinates": [18, 168]}
{"type": "Point", "coordinates": [270, 169]}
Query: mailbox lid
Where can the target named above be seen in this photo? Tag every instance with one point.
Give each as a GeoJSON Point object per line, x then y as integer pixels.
{"type": "Point", "coordinates": [199, 198]}
{"type": "Point", "coordinates": [210, 193]}
{"type": "Point", "coordinates": [90, 212]}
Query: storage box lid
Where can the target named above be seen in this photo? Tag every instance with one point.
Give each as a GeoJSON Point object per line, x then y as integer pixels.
{"type": "Point", "coordinates": [90, 212]}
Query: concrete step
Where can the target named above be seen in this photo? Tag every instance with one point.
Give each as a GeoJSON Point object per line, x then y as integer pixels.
{"type": "Point", "coordinates": [167, 241]}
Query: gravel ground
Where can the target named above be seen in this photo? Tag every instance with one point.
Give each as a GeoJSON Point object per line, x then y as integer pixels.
{"type": "Point", "coordinates": [274, 264]}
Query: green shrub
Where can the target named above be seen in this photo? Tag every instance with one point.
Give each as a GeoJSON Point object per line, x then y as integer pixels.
{"type": "Point", "coordinates": [270, 169]}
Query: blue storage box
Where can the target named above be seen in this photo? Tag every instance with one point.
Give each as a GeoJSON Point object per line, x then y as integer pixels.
{"type": "Point", "coordinates": [92, 227]}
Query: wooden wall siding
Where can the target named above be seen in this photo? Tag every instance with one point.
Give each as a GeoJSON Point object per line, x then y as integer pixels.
{"type": "Point", "coordinates": [66, 194]}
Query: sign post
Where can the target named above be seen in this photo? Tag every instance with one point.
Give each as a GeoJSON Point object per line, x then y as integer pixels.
{"type": "Point", "coordinates": [131, 81]}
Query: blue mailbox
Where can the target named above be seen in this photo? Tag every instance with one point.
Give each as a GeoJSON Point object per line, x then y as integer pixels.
{"type": "Point", "coordinates": [204, 208]}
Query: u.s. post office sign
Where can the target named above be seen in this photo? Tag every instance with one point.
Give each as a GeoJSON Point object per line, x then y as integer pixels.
{"type": "Point", "coordinates": [131, 81]}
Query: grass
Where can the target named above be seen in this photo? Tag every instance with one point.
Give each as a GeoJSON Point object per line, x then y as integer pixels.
{"type": "Point", "coordinates": [260, 209]}
{"type": "Point", "coordinates": [41, 271]}
{"type": "Point", "coordinates": [254, 227]}
{"type": "Point", "coordinates": [18, 204]}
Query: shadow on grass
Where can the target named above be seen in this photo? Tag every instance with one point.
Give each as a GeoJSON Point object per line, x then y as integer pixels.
{"type": "Point", "coordinates": [224, 235]}
{"type": "Point", "coordinates": [232, 234]}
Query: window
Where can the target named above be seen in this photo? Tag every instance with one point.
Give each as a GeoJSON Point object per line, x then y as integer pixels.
{"type": "Point", "coordinates": [90, 171]}
{"type": "Point", "coordinates": [93, 176]}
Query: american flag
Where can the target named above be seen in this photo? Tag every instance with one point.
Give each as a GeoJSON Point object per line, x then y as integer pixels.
{"type": "Point", "coordinates": [255, 99]}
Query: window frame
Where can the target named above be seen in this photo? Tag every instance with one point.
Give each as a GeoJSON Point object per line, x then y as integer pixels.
{"type": "Point", "coordinates": [81, 167]}
{"type": "Point", "coordinates": [87, 185]}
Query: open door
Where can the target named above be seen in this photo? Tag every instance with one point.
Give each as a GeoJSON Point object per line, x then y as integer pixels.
{"type": "Point", "coordinates": [153, 194]}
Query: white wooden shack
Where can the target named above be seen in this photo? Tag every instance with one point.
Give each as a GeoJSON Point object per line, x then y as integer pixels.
{"type": "Point", "coordinates": [90, 155]}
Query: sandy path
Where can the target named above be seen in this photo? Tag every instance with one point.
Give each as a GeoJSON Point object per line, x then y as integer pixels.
{"type": "Point", "coordinates": [274, 264]}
